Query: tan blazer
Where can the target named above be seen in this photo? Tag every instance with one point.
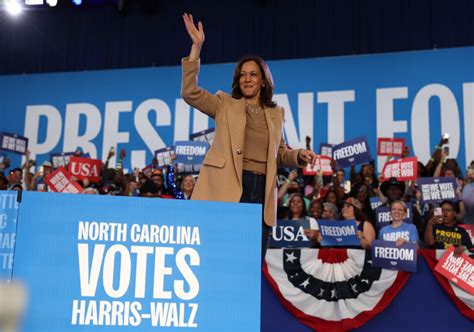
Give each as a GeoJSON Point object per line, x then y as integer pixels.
{"type": "Point", "coordinates": [220, 178]}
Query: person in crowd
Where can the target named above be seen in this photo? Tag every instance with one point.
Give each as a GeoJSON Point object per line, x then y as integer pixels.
{"type": "Point", "coordinates": [3, 182]}
{"type": "Point", "coordinates": [442, 231]}
{"type": "Point", "coordinates": [467, 195]}
{"type": "Point", "coordinates": [312, 190]}
{"type": "Point", "coordinates": [241, 164]}
{"type": "Point", "coordinates": [394, 190]}
{"type": "Point", "coordinates": [90, 191]}
{"type": "Point", "coordinates": [330, 211]}
{"type": "Point", "coordinates": [351, 210]}
{"type": "Point", "coordinates": [38, 182]}
{"type": "Point", "coordinates": [398, 231]}
{"type": "Point", "coordinates": [289, 187]}
{"type": "Point", "coordinates": [297, 211]}
{"type": "Point", "coordinates": [362, 193]}
{"type": "Point", "coordinates": [331, 197]}
{"type": "Point", "coordinates": [15, 177]}
{"type": "Point", "coordinates": [187, 186]}
{"type": "Point", "coordinates": [315, 209]}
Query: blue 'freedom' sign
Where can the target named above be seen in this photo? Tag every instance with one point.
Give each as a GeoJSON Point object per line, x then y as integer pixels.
{"type": "Point", "coordinates": [353, 152]}
{"type": "Point", "coordinates": [338, 233]}
{"type": "Point", "coordinates": [386, 254]}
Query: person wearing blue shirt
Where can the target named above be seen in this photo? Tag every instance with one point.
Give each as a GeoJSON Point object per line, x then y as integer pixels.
{"type": "Point", "coordinates": [399, 231]}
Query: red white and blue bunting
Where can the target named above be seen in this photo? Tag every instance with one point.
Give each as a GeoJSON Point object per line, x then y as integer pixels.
{"type": "Point", "coordinates": [331, 289]}
{"type": "Point", "coordinates": [462, 299]}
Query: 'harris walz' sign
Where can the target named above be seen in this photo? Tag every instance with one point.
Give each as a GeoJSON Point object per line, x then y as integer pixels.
{"type": "Point", "coordinates": [353, 152]}
{"type": "Point", "coordinates": [190, 155]}
{"type": "Point", "coordinates": [436, 190]}
{"type": "Point", "coordinates": [13, 143]}
{"type": "Point", "coordinates": [290, 234]}
{"type": "Point", "coordinates": [388, 255]}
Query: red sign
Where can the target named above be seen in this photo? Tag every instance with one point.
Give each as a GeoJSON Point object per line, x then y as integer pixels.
{"type": "Point", "coordinates": [59, 181]}
{"type": "Point", "coordinates": [83, 168]}
{"type": "Point", "coordinates": [469, 229]}
{"type": "Point", "coordinates": [322, 164]}
{"type": "Point", "coordinates": [390, 146]}
{"type": "Point", "coordinates": [459, 270]}
{"type": "Point", "coordinates": [403, 169]}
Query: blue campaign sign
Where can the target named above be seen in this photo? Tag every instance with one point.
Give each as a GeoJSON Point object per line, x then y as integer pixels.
{"type": "Point", "coordinates": [191, 152]}
{"type": "Point", "coordinates": [375, 202]}
{"type": "Point", "coordinates": [326, 149]}
{"type": "Point", "coordinates": [204, 136]}
{"type": "Point", "coordinates": [61, 159]}
{"type": "Point", "coordinates": [13, 143]}
{"type": "Point", "coordinates": [8, 222]}
{"type": "Point", "coordinates": [388, 255]}
{"type": "Point", "coordinates": [135, 264]}
{"type": "Point", "coordinates": [141, 109]}
{"type": "Point", "coordinates": [383, 217]}
{"type": "Point", "coordinates": [338, 233]}
{"type": "Point", "coordinates": [190, 155]}
{"type": "Point", "coordinates": [352, 152]}
{"type": "Point", "coordinates": [290, 234]}
{"type": "Point", "coordinates": [436, 190]}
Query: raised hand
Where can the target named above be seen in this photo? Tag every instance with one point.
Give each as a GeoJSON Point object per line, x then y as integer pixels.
{"type": "Point", "coordinates": [196, 34]}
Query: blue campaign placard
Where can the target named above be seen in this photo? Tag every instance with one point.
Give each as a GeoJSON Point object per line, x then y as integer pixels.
{"type": "Point", "coordinates": [13, 143]}
{"type": "Point", "coordinates": [8, 222]}
{"type": "Point", "coordinates": [164, 156]}
{"type": "Point", "coordinates": [204, 136]}
{"type": "Point", "coordinates": [352, 152]}
{"type": "Point", "coordinates": [60, 159]}
{"type": "Point", "coordinates": [387, 255]}
{"type": "Point", "coordinates": [435, 190]}
{"type": "Point", "coordinates": [290, 234]}
{"type": "Point", "coordinates": [338, 233]}
{"type": "Point", "coordinates": [325, 149]}
{"type": "Point", "coordinates": [190, 152]}
{"type": "Point", "coordinates": [383, 217]}
{"type": "Point", "coordinates": [135, 264]}
{"type": "Point", "coordinates": [375, 202]}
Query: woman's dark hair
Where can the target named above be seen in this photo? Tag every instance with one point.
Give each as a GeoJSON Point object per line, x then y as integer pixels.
{"type": "Point", "coordinates": [266, 92]}
{"type": "Point", "coordinates": [358, 214]}
{"type": "Point", "coordinates": [304, 213]}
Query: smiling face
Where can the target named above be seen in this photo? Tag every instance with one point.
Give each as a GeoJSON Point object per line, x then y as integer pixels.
{"type": "Point", "coordinates": [316, 209]}
{"type": "Point", "coordinates": [250, 80]}
{"type": "Point", "coordinates": [188, 183]}
{"type": "Point", "coordinates": [348, 211]}
{"type": "Point", "coordinates": [296, 206]}
{"type": "Point", "coordinates": [397, 211]}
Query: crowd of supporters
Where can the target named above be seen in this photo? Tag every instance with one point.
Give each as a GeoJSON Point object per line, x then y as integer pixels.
{"type": "Point", "coordinates": [344, 195]}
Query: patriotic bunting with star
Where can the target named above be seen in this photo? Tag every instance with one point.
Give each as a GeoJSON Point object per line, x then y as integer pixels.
{"type": "Point", "coordinates": [331, 289]}
{"type": "Point", "coordinates": [462, 299]}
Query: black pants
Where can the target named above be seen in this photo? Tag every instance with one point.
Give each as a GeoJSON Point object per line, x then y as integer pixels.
{"type": "Point", "coordinates": [253, 191]}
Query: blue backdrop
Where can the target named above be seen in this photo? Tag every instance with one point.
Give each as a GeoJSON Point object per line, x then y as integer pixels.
{"type": "Point", "coordinates": [414, 95]}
